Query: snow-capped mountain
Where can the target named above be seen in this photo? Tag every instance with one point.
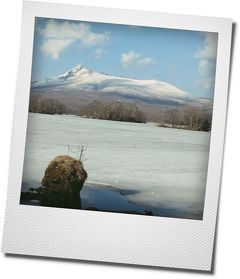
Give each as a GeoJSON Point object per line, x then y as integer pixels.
{"type": "Point", "coordinates": [80, 80]}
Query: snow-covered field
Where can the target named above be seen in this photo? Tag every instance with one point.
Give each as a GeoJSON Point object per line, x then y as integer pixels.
{"type": "Point", "coordinates": [165, 167]}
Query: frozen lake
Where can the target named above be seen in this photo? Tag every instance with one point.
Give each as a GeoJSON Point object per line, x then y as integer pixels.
{"type": "Point", "coordinates": [150, 167]}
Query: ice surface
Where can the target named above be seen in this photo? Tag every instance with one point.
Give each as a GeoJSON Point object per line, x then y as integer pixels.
{"type": "Point", "coordinates": [167, 167]}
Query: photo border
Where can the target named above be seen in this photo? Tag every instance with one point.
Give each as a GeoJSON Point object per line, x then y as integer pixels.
{"type": "Point", "coordinates": [112, 237]}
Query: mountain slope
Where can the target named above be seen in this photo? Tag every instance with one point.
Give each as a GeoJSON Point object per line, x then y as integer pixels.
{"type": "Point", "coordinates": [88, 84]}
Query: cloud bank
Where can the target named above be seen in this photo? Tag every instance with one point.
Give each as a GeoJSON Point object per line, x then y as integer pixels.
{"type": "Point", "coordinates": [132, 59]}
{"type": "Point", "coordinates": [207, 61]}
{"type": "Point", "coordinates": [58, 35]}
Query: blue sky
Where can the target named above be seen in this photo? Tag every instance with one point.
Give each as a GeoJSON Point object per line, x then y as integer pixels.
{"type": "Point", "coordinates": [186, 59]}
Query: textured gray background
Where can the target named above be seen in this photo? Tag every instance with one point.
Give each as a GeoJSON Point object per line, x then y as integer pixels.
{"type": "Point", "coordinates": [108, 236]}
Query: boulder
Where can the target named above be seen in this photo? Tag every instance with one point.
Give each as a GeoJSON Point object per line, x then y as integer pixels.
{"type": "Point", "coordinates": [64, 174]}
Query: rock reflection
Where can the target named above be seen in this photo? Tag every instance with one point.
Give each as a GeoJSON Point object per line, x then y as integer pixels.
{"type": "Point", "coordinates": [90, 198]}
{"type": "Point", "coordinates": [61, 200]}
{"type": "Point", "coordinates": [44, 197]}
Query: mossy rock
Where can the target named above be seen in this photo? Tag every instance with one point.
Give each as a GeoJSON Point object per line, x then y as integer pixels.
{"type": "Point", "coordinates": [64, 174]}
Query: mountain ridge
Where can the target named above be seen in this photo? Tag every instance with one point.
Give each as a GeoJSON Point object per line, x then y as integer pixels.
{"type": "Point", "coordinates": [88, 84]}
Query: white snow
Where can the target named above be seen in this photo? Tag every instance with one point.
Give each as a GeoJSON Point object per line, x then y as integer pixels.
{"type": "Point", "coordinates": [167, 166]}
{"type": "Point", "coordinates": [82, 78]}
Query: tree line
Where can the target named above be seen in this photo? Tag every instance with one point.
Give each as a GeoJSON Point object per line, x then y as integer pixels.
{"type": "Point", "coordinates": [185, 117]}
{"type": "Point", "coordinates": [39, 104]}
{"type": "Point", "coordinates": [97, 109]}
{"type": "Point", "coordinates": [114, 110]}
{"type": "Point", "coordinates": [190, 117]}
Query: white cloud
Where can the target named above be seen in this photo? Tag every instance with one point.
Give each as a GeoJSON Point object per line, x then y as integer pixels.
{"type": "Point", "coordinates": [206, 68]}
{"type": "Point", "coordinates": [206, 83]}
{"type": "Point", "coordinates": [210, 47]}
{"type": "Point", "coordinates": [60, 34]}
{"type": "Point", "coordinates": [207, 61]}
{"type": "Point", "coordinates": [98, 53]}
{"type": "Point", "coordinates": [133, 59]}
{"type": "Point", "coordinates": [129, 58]}
{"type": "Point", "coordinates": [146, 61]}
{"type": "Point", "coordinates": [54, 47]}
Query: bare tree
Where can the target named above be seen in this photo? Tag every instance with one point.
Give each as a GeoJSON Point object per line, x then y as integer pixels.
{"type": "Point", "coordinates": [39, 104]}
{"type": "Point", "coordinates": [79, 150]}
{"type": "Point", "coordinates": [114, 110]}
{"type": "Point", "coordinates": [171, 116]}
{"type": "Point", "coordinates": [187, 117]}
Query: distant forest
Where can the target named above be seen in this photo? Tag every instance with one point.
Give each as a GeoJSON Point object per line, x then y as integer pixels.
{"type": "Point", "coordinates": [38, 104]}
{"type": "Point", "coordinates": [185, 117]}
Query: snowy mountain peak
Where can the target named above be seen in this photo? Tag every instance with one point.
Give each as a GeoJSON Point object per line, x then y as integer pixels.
{"type": "Point", "coordinates": [74, 72]}
{"type": "Point", "coordinates": [78, 68]}
{"type": "Point", "coordinates": [79, 80]}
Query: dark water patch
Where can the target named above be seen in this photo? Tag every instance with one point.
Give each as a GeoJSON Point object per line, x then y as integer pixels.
{"type": "Point", "coordinates": [128, 192]}
{"type": "Point", "coordinates": [107, 199]}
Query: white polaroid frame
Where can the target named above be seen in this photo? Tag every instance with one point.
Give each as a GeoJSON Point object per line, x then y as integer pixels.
{"type": "Point", "coordinates": [113, 237]}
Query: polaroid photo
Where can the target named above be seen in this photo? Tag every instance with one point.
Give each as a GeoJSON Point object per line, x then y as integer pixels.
{"type": "Point", "coordinates": [118, 136]}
